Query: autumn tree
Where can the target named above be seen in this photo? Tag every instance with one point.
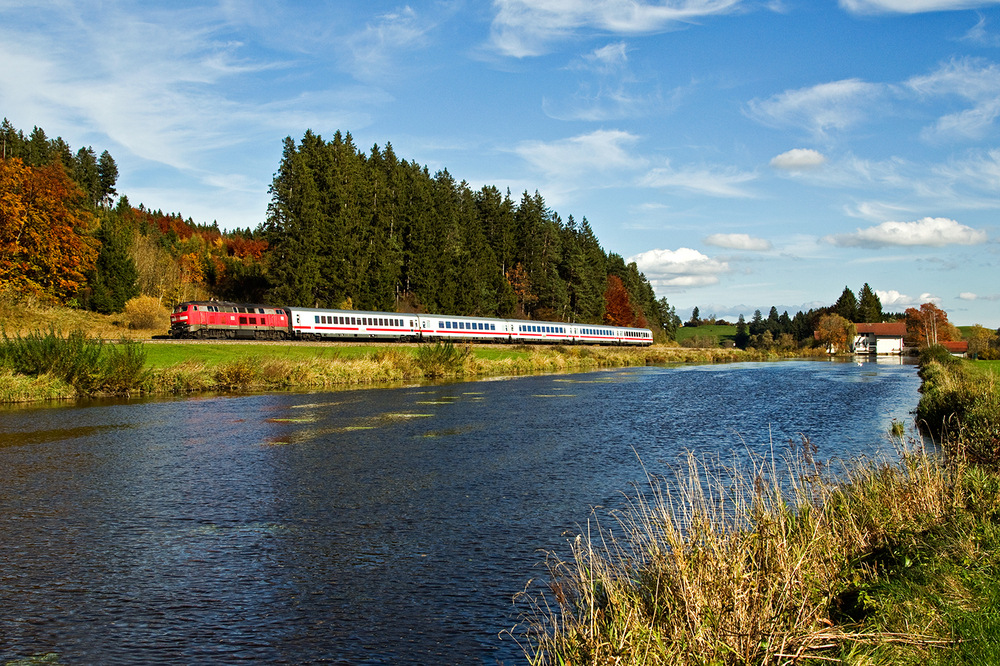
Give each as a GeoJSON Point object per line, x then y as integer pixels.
{"type": "Point", "coordinates": [618, 310]}
{"type": "Point", "coordinates": [928, 326]}
{"type": "Point", "coordinates": [835, 332]}
{"type": "Point", "coordinates": [980, 341]}
{"type": "Point", "coordinates": [46, 244]}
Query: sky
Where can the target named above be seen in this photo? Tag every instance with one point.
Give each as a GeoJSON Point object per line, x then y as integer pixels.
{"type": "Point", "coordinates": [745, 154]}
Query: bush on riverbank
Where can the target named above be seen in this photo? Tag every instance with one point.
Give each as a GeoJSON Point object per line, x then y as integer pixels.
{"type": "Point", "coordinates": [882, 562]}
{"type": "Point", "coordinates": [960, 408]}
{"type": "Point", "coordinates": [85, 363]}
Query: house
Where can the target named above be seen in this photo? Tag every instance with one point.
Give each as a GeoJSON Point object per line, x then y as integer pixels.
{"type": "Point", "coordinates": [879, 339]}
{"type": "Point", "coordinates": [957, 348]}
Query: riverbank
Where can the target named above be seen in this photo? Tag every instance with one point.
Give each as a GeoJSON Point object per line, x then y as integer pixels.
{"type": "Point", "coordinates": [874, 562]}
{"type": "Point", "coordinates": [44, 367]}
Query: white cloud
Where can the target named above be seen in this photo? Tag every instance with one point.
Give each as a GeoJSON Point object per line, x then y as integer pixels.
{"type": "Point", "coordinates": [911, 6]}
{"type": "Point", "coordinates": [929, 231]}
{"type": "Point", "coordinates": [891, 299]}
{"type": "Point", "coordinates": [819, 109]}
{"type": "Point", "coordinates": [799, 158]}
{"type": "Point", "coordinates": [717, 182]}
{"type": "Point", "coordinates": [524, 28]}
{"type": "Point", "coordinates": [598, 151]}
{"type": "Point", "coordinates": [683, 267]}
{"type": "Point", "coordinates": [967, 296]}
{"type": "Point", "coordinates": [739, 242]}
{"type": "Point", "coordinates": [894, 301]}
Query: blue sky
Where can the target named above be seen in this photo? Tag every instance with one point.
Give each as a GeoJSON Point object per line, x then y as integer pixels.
{"type": "Point", "coordinates": [744, 154]}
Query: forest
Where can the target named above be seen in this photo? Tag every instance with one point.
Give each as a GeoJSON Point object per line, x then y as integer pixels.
{"type": "Point", "coordinates": [344, 229]}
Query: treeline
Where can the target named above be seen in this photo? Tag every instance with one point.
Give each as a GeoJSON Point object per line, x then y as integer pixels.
{"type": "Point", "coordinates": [781, 331]}
{"type": "Point", "coordinates": [376, 232]}
{"type": "Point", "coordinates": [344, 229]}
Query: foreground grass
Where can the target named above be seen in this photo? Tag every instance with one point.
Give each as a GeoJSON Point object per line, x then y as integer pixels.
{"type": "Point", "coordinates": [876, 562]}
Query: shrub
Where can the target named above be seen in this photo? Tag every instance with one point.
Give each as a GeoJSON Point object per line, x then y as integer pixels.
{"type": "Point", "coordinates": [86, 363]}
{"type": "Point", "coordinates": [146, 313]}
{"type": "Point", "coordinates": [440, 360]}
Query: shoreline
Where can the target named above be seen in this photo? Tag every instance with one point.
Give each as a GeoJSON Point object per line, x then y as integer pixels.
{"type": "Point", "coordinates": [190, 368]}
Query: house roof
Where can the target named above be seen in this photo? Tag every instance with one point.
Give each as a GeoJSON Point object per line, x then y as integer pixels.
{"type": "Point", "coordinates": [896, 329]}
{"type": "Point", "coordinates": [956, 347]}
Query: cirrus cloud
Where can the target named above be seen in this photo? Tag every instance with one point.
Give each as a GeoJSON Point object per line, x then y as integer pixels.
{"type": "Point", "coordinates": [911, 6]}
{"type": "Point", "coordinates": [819, 109]}
{"type": "Point", "coordinates": [683, 267]}
{"type": "Point", "coordinates": [523, 28]}
{"type": "Point", "coordinates": [929, 231]}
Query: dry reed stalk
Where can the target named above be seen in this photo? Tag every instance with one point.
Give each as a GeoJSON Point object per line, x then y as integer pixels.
{"type": "Point", "coordinates": [728, 564]}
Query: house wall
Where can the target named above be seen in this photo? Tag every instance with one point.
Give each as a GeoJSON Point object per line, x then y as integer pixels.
{"type": "Point", "coordinates": [869, 343]}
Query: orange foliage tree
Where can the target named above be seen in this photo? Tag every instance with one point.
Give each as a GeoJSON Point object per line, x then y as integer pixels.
{"type": "Point", "coordinates": [928, 326]}
{"type": "Point", "coordinates": [618, 310]}
{"type": "Point", "coordinates": [46, 241]}
{"type": "Point", "coordinates": [519, 281]}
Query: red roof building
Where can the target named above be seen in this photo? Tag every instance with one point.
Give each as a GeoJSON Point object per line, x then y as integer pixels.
{"type": "Point", "coordinates": [879, 338]}
{"type": "Point", "coordinates": [957, 348]}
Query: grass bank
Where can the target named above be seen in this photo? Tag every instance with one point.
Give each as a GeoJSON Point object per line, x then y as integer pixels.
{"type": "Point", "coordinates": [873, 562]}
{"type": "Point", "coordinates": [53, 366]}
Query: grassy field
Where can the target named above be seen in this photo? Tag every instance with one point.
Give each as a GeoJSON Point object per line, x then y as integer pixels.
{"type": "Point", "coordinates": [716, 333]}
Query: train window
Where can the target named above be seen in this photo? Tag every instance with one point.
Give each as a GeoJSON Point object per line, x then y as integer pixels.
{"type": "Point", "coordinates": [317, 319]}
{"type": "Point", "coordinates": [253, 321]}
{"type": "Point", "coordinates": [243, 321]}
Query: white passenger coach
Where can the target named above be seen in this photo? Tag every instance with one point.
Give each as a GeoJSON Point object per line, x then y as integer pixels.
{"type": "Point", "coordinates": [318, 324]}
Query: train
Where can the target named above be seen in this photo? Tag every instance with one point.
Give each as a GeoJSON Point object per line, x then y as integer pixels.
{"type": "Point", "coordinates": [221, 320]}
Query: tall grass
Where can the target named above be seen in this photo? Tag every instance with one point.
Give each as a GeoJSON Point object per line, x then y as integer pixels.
{"type": "Point", "coordinates": [87, 364]}
{"type": "Point", "coordinates": [442, 359]}
{"type": "Point", "coordinates": [758, 565]}
{"type": "Point", "coordinates": [959, 408]}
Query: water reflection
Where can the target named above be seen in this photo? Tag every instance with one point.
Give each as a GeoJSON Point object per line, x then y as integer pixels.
{"type": "Point", "coordinates": [379, 526]}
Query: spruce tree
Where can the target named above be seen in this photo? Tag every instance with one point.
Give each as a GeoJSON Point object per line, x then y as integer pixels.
{"type": "Point", "coordinates": [869, 306]}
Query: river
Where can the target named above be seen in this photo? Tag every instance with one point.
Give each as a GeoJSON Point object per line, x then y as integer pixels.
{"type": "Point", "coordinates": [369, 526]}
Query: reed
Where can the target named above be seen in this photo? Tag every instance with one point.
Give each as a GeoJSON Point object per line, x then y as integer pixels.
{"type": "Point", "coordinates": [759, 564]}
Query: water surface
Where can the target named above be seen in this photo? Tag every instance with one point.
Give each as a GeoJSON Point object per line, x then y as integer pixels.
{"type": "Point", "coordinates": [375, 526]}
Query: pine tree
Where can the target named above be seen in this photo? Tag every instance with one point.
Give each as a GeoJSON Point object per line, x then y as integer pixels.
{"type": "Point", "coordinates": [107, 173]}
{"type": "Point", "coordinates": [869, 306]}
{"type": "Point", "coordinates": [292, 231]}
{"type": "Point", "coordinates": [742, 337]}
{"type": "Point", "coordinates": [115, 279]}
{"type": "Point", "coordinates": [847, 305]}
